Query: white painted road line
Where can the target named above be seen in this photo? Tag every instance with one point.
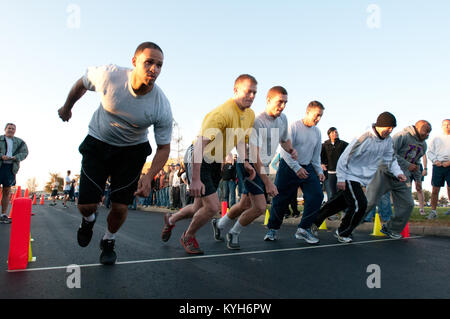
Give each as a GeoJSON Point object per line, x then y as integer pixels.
{"type": "Point", "coordinates": [216, 255]}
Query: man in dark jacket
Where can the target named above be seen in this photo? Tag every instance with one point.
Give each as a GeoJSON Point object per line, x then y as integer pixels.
{"type": "Point", "coordinates": [331, 151]}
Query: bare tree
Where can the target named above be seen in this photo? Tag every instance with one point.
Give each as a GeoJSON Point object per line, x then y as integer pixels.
{"type": "Point", "coordinates": [32, 185]}
{"type": "Point", "coordinates": [59, 179]}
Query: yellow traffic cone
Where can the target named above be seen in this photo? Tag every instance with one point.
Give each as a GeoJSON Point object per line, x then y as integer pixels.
{"type": "Point", "coordinates": [30, 254]}
{"type": "Point", "coordinates": [323, 226]}
{"type": "Point", "coordinates": [266, 220]}
{"type": "Point", "coordinates": [377, 226]}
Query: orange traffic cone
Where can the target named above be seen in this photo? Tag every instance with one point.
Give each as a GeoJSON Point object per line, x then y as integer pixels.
{"type": "Point", "coordinates": [224, 208]}
{"type": "Point", "coordinates": [12, 209]}
{"type": "Point", "coordinates": [41, 202]}
{"type": "Point", "coordinates": [19, 243]}
{"type": "Point", "coordinates": [18, 193]}
{"type": "Point", "coordinates": [405, 232]}
{"type": "Point", "coordinates": [34, 199]}
{"type": "Point", "coordinates": [26, 195]}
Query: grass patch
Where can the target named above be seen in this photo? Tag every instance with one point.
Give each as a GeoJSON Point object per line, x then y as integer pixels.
{"type": "Point", "coordinates": [416, 218]}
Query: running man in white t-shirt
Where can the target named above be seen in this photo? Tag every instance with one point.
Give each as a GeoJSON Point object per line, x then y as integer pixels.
{"type": "Point", "coordinates": [117, 143]}
{"type": "Point", "coordinates": [66, 189]}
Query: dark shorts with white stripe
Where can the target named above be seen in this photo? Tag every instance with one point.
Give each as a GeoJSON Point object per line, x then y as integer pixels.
{"type": "Point", "coordinates": [100, 160]}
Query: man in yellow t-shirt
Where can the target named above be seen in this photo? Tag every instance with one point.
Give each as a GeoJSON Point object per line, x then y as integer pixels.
{"type": "Point", "coordinates": [224, 128]}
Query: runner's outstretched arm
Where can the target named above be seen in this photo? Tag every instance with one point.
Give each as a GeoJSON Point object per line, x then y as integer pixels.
{"type": "Point", "coordinates": [160, 159]}
{"type": "Point", "coordinates": [76, 92]}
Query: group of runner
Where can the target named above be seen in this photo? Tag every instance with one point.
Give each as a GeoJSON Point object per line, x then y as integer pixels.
{"type": "Point", "coordinates": [117, 146]}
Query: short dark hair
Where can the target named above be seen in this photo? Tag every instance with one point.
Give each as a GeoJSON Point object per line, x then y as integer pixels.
{"type": "Point", "coordinates": [244, 77]}
{"type": "Point", "coordinates": [315, 104]}
{"type": "Point", "coordinates": [331, 129]}
{"type": "Point", "coordinates": [9, 124]}
{"type": "Point", "coordinates": [147, 45]}
{"type": "Point", "coordinates": [276, 90]}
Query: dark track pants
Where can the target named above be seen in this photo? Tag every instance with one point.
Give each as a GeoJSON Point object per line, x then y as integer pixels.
{"type": "Point", "coordinates": [353, 199]}
{"type": "Point", "coordinates": [287, 183]}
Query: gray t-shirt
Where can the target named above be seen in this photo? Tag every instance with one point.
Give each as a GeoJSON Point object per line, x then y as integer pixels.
{"type": "Point", "coordinates": [307, 141]}
{"type": "Point", "coordinates": [267, 132]}
{"type": "Point", "coordinates": [123, 118]}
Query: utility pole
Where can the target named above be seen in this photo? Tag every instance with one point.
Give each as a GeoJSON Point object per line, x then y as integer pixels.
{"type": "Point", "coordinates": [177, 140]}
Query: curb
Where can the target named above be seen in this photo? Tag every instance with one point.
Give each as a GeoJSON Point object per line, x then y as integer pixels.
{"type": "Point", "coordinates": [419, 230]}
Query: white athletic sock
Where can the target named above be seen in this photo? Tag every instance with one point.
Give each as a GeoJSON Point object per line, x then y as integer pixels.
{"type": "Point", "coordinates": [90, 218]}
{"type": "Point", "coordinates": [237, 228]}
{"type": "Point", "coordinates": [109, 235]}
{"type": "Point", "coordinates": [225, 222]}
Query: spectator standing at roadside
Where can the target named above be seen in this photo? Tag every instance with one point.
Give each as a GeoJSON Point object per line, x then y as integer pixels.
{"type": "Point", "coordinates": [13, 150]}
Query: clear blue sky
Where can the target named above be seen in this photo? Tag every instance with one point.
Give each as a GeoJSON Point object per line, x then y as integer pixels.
{"type": "Point", "coordinates": [318, 50]}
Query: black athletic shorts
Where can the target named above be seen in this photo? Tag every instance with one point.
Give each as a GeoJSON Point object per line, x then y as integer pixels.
{"type": "Point", "coordinates": [7, 178]}
{"type": "Point", "coordinates": [210, 175]}
{"type": "Point", "coordinates": [100, 160]}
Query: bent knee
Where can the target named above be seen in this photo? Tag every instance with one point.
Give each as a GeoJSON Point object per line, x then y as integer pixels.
{"type": "Point", "coordinates": [87, 209]}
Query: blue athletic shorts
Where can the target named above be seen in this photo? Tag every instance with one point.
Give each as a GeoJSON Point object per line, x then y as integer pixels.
{"type": "Point", "coordinates": [7, 178]}
{"type": "Point", "coordinates": [255, 186]}
{"type": "Point", "coordinates": [440, 176]}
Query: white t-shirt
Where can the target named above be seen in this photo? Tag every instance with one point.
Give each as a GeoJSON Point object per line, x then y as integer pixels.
{"type": "Point", "coordinates": [9, 149]}
{"type": "Point", "coordinates": [176, 180]}
{"type": "Point", "coordinates": [123, 118]}
{"type": "Point", "coordinates": [67, 183]}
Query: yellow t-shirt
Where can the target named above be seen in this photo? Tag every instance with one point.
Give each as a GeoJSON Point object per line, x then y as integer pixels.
{"type": "Point", "coordinates": [226, 126]}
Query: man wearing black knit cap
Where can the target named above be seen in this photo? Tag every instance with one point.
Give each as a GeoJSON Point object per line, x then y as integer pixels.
{"type": "Point", "coordinates": [409, 147]}
{"type": "Point", "coordinates": [355, 169]}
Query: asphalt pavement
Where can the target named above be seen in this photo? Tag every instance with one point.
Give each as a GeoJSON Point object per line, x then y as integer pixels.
{"type": "Point", "coordinates": [147, 268]}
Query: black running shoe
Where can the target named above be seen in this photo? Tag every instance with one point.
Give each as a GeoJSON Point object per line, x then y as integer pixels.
{"type": "Point", "coordinates": [216, 229]}
{"type": "Point", "coordinates": [5, 220]}
{"type": "Point", "coordinates": [233, 241]}
{"type": "Point", "coordinates": [108, 255]}
{"type": "Point", "coordinates": [84, 233]}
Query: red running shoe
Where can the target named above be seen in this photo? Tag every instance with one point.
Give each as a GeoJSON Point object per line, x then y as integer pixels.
{"type": "Point", "coordinates": [190, 244]}
{"type": "Point", "coordinates": [167, 228]}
